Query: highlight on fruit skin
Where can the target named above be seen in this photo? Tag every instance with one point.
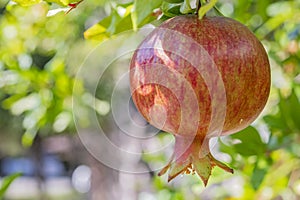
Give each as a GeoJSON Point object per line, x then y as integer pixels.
{"type": "Point", "coordinates": [199, 79]}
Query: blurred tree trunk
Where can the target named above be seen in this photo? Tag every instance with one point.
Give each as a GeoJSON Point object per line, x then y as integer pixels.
{"type": "Point", "coordinates": [37, 154]}
{"type": "Point", "coordinates": [103, 182]}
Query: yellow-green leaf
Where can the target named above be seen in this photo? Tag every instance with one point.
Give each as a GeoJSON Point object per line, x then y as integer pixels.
{"type": "Point", "coordinates": [27, 2]}
{"type": "Point", "coordinates": [61, 2]}
{"type": "Point", "coordinates": [205, 8]}
{"type": "Point", "coordinates": [111, 25]}
{"type": "Point", "coordinates": [97, 32]}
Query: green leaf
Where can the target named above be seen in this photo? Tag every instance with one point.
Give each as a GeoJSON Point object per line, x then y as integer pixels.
{"type": "Point", "coordinates": [123, 25]}
{"type": "Point", "coordinates": [289, 109]}
{"type": "Point", "coordinates": [294, 107]}
{"type": "Point", "coordinates": [262, 7]}
{"type": "Point", "coordinates": [275, 122]}
{"type": "Point", "coordinates": [98, 31]}
{"type": "Point", "coordinates": [6, 182]}
{"type": "Point", "coordinates": [285, 110]}
{"type": "Point", "coordinates": [227, 149]}
{"type": "Point", "coordinates": [174, 1]}
{"type": "Point", "coordinates": [251, 143]}
{"type": "Point", "coordinates": [110, 25]}
{"type": "Point", "coordinates": [186, 7]}
{"type": "Point", "coordinates": [287, 120]}
{"type": "Point", "coordinates": [142, 10]}
{"type": "Point", "coordinates": [114, 21]}
{"type": "Point", "coordinates": [257, 177]}
{"type": "Point", "coordinates": [27, 2]}
{"type": "Point", "coordinates": [170, 9]}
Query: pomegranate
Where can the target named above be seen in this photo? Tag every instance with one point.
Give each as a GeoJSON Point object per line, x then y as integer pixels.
{"type": "Point", "coordinates": [199, 79]}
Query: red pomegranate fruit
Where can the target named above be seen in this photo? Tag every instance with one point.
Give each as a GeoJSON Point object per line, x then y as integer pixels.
{"type": "Point", "coordinates": [199, 79]}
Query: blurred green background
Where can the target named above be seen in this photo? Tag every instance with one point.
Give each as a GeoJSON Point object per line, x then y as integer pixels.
{"type": "Point", "coordinates": [41, 50]}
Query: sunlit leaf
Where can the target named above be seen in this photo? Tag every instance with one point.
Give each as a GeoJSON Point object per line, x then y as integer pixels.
{"type": "Point", "coordinates": [273, 23]}
{"type": "Point", "coordinates": [113, 24]}
{"type": "Point", "coordinates": [56, 11]}
{"type": "Point", "coordinates": [62, 121]}
{"type": "Point", "coordinates": [20, 105]}
{"type": "Point", "coordinates": [97, 32]}
{"type": "Point", "coordinates": [28, 137]}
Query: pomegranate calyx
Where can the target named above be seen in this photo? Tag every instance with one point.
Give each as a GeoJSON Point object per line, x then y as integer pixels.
{"type": "Point", "coordinates": [190, 161]}
{"type": "Point", "coordinates": [202, 166]}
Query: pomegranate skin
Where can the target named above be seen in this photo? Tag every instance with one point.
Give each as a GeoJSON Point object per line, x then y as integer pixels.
{"type": "Point", "coordinates": [199, 79]}
{"type": "Point", "coordinates": [238, 54]}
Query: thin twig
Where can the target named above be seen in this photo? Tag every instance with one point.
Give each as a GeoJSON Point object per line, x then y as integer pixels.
{"type": "Point", "coordinates": [73, 6]}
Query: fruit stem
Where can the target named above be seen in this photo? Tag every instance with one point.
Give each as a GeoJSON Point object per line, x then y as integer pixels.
{"type": "Point", "coordinates": [198, 6]}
